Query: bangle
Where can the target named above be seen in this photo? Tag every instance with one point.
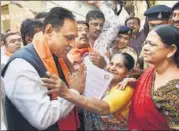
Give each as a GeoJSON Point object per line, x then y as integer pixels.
{"type": "Point", "coordinates": [75, 91]}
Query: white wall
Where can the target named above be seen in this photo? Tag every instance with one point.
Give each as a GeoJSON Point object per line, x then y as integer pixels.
{"type": "Point", "coordinates": [168, 3]}
{"type": "Point", "coordinates": [79, 8]}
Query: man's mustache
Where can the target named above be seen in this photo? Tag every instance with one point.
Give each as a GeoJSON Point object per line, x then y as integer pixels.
{"type": "Point", "coordinates": [98, 31]}
{"type": "Point", "coordinates": [84, 37]}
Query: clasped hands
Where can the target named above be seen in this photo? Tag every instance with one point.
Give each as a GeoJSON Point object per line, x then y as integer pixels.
{"type": "Point", "coordinates": [60, 88]}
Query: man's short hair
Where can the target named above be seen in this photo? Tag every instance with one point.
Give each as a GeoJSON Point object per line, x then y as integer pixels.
{"type": "Point", "coordinates": [41, 15]}
{"type": "Point", "coordinates": [9, 34]}
{"type": "Point", "coordinates": [56, 17]}
{"type": "Point", "coordinates": [82, 22]}
{"type": "Point", "coordinates": [138, 20]}
{"type": "Point", "coordinates": [28, 28]}
{"type": "Point", "coordinates": [94, 14]}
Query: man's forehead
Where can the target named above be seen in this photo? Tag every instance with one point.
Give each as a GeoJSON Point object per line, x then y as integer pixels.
{"type": "Point", "coordinates": [157, 21]}
{"type": "Point", "coordinates": [123, 35]}
{"type": "Point", "coordinates": [132, 19]}
{"type": "Point", "coordinates": [82, 25]}
{"type": "Point", "coordinates": [14, 36]}
{"type": "Point", "coordinates": [97, 20]}
{"type": "Point", "coordinates": [69, 28]}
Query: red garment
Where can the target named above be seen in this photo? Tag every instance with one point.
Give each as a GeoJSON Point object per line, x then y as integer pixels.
{"type": "Point", "coordinates": [143, 114]}
{"type": "Point", "coordinates": [71, 121]}
{"type": "Point", "coordinates": [80, 52]}
{"type": "Point", "coordinates": [76, 54]}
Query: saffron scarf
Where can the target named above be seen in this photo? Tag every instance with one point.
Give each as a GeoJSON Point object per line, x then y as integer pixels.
{"type": "Point", "coordinates": [8, 53]}
{"type": "Point", "coordinates": [143, 114]}
{"type": "Point", "coordinates": [70, 122]}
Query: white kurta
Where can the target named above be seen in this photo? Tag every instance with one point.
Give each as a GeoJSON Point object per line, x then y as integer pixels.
{"type": "Point", "coordinates": [24, 89]}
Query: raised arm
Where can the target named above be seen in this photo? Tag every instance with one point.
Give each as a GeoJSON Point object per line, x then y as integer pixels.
{"type": "Point", "coordinates": [111, 103]}
{"type": "Point", "coordinates": [106, 37]}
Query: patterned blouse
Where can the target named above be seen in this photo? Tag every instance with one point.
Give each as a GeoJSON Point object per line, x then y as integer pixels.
{"type": "Point", "coordinates": [166, 100]}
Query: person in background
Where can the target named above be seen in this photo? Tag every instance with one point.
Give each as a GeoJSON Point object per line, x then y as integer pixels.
{"type": "Point", "coordinates": [81, 45]}
{"type": "Point", "coordinates": [156, 15]}
{"type": "Point", "coordinates": [12, 42]}
{"type": "Point", "coordinates": [175, 15]}
{"type": "Point", "coordinates": [41, 16]}
{"type": "Point", "coordinates": [113, 107]}
{"type": "Point", "coordinates": [138, 37]}
{"type": "Point", "coordinates": [26, 99]}
{"type": "Point", "coordinates": [121, 43]}
{"type": "Point", "coordinates": [95, 19]}
{"type": "Point", "coordinates": [75, 56]}
{"type": "Point", "coordinates": [99, 39]}
{"type": "Point", "coordinates": [155, 104]}
{"type": "Point", "coordinates": [28, 28]}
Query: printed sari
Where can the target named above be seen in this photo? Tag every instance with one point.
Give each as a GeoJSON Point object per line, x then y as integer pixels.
{"type": "Point", "coordinates": [143, 114]}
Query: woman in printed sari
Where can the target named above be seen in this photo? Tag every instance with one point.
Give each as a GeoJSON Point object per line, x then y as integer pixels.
{"type": "Point", "coordinates": [155, 103]}
{"type": "Point", "coordinates": [114, 106]}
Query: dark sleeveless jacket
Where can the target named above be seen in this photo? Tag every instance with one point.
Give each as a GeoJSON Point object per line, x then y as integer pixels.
{"type": "Point", "coordinates": [15, 121]}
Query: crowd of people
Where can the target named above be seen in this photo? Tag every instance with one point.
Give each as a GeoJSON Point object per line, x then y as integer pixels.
{"type": "Point", "coordinates": [43, 72]}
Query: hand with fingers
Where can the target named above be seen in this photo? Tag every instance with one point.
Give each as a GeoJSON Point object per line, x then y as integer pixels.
{"type": "Point", "coordinates": [122, 85]}
{"type": "Point", "coordinates": [97, 59]}
{"type": "Point", "coordinates": [78, 78]}
{"type": "Point", "coordinates": [55, 85]}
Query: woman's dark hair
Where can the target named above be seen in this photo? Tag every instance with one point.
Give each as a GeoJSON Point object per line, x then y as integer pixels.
{"type": "Point", "coordinates": [169, 35]}
{"type": "Point", "coordinates": [128, 60]}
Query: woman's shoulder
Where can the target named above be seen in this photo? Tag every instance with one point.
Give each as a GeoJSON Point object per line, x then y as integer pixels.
{"type": "Point", "coordinates": [116, 91]}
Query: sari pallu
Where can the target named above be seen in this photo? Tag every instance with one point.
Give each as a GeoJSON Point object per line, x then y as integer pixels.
{"type": "Point", "coordinates": [143, 114]}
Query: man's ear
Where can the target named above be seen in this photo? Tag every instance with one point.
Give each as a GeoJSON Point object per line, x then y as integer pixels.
{"type": "Point", "coordinates": [28, 39]}
{"type": "Point", "coordinates": [48, 30]}
{"type": "Point", "coordinates": [5, 45]}
{"type": "Point", "coordinates": [172, 51]}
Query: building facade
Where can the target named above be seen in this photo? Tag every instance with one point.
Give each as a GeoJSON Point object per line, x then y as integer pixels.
{"type": "Point", "coordinates": [14, 12]}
